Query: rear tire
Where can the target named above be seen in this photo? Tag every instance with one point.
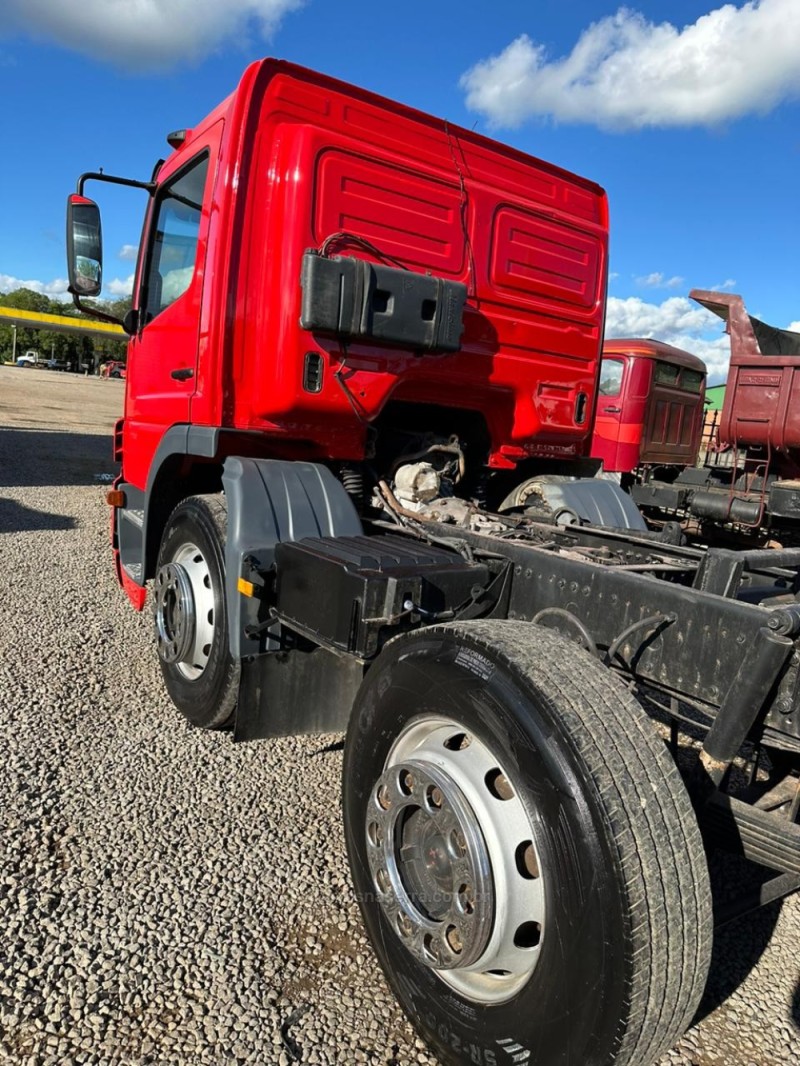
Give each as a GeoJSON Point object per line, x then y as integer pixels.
{"type": "Point", "coordinates": [614, 954]}
{"type": "Point", "coordinates": [191, 613]}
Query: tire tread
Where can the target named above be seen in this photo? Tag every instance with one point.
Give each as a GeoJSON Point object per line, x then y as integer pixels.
{"type": "Point", "coordinates": [214, 510]}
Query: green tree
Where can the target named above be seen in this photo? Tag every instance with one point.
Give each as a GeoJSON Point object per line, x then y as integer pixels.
{"type": "Point", "coordinates": [26, 300]}
{"type": "Point", "coordinates": [72, 349]}
{"type": "Point", "coordinates": [113, 349]}
{"type": "Point", "coordinates": [23, 300]}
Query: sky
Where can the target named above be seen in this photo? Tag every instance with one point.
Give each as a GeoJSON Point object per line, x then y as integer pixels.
{"type": "Point", "coordinates": [686, 112]}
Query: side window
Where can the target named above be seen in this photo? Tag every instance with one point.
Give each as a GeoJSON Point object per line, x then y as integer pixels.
{"type": "Point", "coordinates": [611, 377]}
{"type": "Point", "coordinates": [173, 239]}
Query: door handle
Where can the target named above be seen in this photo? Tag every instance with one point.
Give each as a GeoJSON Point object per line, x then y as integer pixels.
{"type": "Point", "coordinates": [611, 410]}
{"type": "Point", "coordinates": [182, 373]}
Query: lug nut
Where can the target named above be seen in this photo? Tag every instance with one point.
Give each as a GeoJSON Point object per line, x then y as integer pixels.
{"type": "Point", "coordinates": [405, 925]}
{"type": "Point", "coordinates": [383, 881]}
{"type": "Point", "coordinates": [466, 899]}
{"type": "Point", "coordinates": [433, 948]}
{"type": "Point", "coordinates": [407, 782]}
{"type": "Point", "coordinates": [454, 941]}
{"type": "Point", "coordinates": [458, 844]}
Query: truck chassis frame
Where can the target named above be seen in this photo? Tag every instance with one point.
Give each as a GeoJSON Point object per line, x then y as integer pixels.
{"type": "Point", "coordinates": [683, 623]}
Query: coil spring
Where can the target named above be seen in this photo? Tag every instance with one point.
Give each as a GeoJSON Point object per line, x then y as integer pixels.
{"type": "Point", "coordinates": [481, 494]}
{"type": "Point", "coordinates": [353, 480]}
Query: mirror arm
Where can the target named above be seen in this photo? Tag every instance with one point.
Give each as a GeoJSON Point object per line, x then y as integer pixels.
{"type": "Point", "coordinates": [150, 187]}
{"type": "Point", "coordinates": [111, 179]}
{"type": "Point", "coordinates": [87, 310]}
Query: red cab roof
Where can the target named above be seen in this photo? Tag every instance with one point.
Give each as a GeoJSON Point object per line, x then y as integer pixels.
{"type": "Point", "coordinates": [644, 348]}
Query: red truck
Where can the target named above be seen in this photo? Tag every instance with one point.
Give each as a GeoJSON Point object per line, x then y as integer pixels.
{"type": "Point", "coordinates": [354, 328]}
{"type": "Point", "coordinates": [650, 408]}
{"type": "Point", "coordinates": [748, 486]}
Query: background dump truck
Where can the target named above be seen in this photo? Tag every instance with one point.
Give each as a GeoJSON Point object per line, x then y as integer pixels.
{"type": "Point", "coordinates": [749, 484]}
{"type": "Point", "coordinates": [355, 328]}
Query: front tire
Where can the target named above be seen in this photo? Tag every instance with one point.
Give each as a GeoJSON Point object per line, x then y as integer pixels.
{"type": "Point", "coordinates": [497, 758]}
{"type": "Point", "coordinates": [191, 614]}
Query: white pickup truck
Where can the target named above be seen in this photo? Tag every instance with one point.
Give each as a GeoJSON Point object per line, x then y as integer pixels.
{"type": "Point", "coordinates": [32, 358]}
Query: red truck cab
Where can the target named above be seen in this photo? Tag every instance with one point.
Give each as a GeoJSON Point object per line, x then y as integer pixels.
{"type": "Point", "coordinates": [649, 407]}
{"type": "Point", "coordinates": [322, 269]}
{"type": "Point", "coordinates": [293, 161]}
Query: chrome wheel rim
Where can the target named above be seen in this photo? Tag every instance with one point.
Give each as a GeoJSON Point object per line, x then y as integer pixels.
{"type": "Point", "coordinates": [454, 862]}
{"type": "Point", "coordinates": [185, 611]}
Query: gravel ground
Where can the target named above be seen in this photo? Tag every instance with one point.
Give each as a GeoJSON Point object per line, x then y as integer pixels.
{"type": "Point", "coordinates": [166, 897]}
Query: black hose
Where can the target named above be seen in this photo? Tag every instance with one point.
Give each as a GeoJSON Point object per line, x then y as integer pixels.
{"type": "Point", "coordinates": [643, 623]}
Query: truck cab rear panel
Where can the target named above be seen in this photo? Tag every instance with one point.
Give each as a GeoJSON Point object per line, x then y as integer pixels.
{"type": "Point", "coordinates": [527, 240]}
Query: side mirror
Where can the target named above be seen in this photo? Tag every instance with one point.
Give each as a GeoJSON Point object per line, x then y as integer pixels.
{"type": "Point", "coordinates": [84, 247]}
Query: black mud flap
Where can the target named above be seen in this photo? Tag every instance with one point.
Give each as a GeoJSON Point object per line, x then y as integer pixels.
{"type": "Point", "coordinates": [287, 693]}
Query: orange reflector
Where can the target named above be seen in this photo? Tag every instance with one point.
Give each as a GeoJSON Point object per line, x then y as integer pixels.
{"type": "Point", "coordinates": [247, 588]}
{"type": "Point", "coordinates": [115, 498]}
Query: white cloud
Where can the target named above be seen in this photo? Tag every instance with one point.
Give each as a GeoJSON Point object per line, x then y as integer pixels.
{"type": "Point", "coordinates": [794, 327]}
{"type": "Point", "coordinates": [658, 281]}
{"type": "Point", "coordinates": [120, 286]}
{"type": "Point", "coordinates": [146, 34]}
{"type": "Point", "coordinates": [634, 317]}
{"type": "Point", "coordinates": [128, 251]}
{"type": "Point", "coordinates": [677, 321]}
{"type": "Point", "coordinates": [728, 285]}
{"type": "Point", "coordinates": [627, 73]}
{"type": "Point", "coordinates": [57, 287]}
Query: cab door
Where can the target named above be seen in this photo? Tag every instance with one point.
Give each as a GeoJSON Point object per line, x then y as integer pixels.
{"type": "Point", "coordinates": [163, 355]}
{"type": "Point", "coordinates": [608, 417]}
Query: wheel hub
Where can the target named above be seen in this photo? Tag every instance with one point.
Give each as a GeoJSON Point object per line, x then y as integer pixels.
{"type": "Point", "coordinates": [452, 853]}
{"type": "Point", "coordinates": [430, 864]}
{"type": "Point", "coordinates": [185, 612]}
{"type": "Point", "coordinates": [175, 613]}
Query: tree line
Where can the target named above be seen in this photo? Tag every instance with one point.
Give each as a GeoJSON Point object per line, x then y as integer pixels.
{"type": "Point", "coordinates": [72, 349]}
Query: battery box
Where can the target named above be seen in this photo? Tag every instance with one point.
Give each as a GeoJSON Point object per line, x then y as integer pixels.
{"type": "Point", "coordinates": [342, 592]}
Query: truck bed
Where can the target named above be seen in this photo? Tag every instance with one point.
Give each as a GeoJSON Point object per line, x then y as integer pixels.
{"type": "Point", "coordinates": [762, 396]}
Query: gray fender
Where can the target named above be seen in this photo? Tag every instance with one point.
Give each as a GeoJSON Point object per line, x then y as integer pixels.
{"type": "Point", "coordinates": [596, 501]}
{"type": "Point", "coordinates": [269, 501]}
